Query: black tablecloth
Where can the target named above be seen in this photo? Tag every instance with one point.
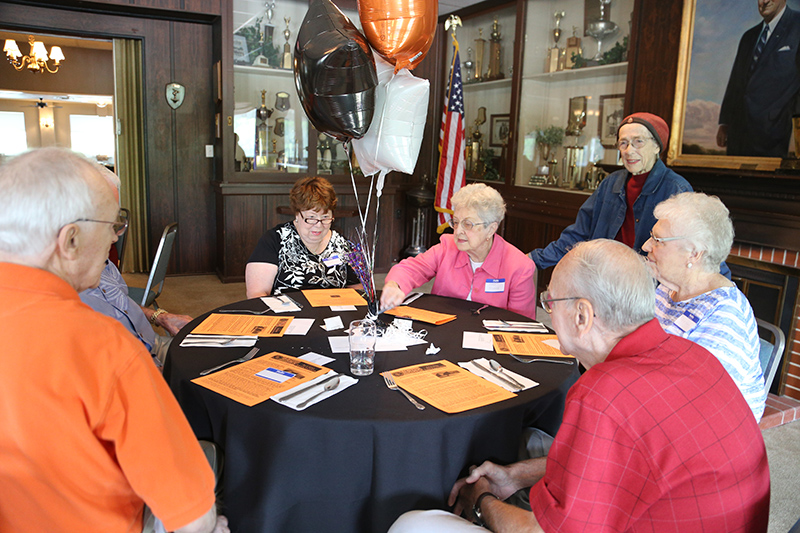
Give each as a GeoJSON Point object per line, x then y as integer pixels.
{"type": "Point", "coordinates": [359, 459]}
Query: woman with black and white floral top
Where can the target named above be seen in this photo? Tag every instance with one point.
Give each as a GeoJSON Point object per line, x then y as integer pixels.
{"type": "Point", "coordinates": [304, 253]}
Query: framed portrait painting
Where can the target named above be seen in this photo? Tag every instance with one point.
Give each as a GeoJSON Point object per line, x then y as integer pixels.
{"type": "Point", "coordinates": [734, 95]}
{"type": "Point", "coordinates": [499, 130]}
{"type": "Point", "coordinates": [612, 111]}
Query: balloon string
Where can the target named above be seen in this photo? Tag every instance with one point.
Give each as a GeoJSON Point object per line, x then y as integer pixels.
{"type": "Point", "coordinates": [347, 148]}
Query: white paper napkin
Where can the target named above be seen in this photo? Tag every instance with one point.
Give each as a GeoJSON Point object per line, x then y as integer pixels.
{"type": "Point", "coordinates": [493, 376]}
{"type": "Point", "coordinates": [218, 341]}
{"type": "Point", "coordinates": [344, 382]}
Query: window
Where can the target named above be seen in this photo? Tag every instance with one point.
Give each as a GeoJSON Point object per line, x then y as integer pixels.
{"type": "Point", "coordinates": [13, 139]}
{"type": "Point", "coordinates": [92, 136]}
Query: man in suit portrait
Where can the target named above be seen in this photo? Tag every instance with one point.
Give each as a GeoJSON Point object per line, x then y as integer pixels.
{"type": "Point", "coordinates": [762, 94]}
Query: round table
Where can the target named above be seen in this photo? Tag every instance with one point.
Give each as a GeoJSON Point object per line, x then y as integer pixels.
{"type": "Point", "coordinates": [357, 460]}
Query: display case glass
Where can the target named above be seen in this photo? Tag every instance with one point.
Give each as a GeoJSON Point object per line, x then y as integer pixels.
{"type": "Point", "coordinates": [574, 77]}
{"type": "Point", "coordinates": [272, 132]}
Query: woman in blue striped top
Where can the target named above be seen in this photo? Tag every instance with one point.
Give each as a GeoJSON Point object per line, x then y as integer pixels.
{"type": "Point", "coordinates": [692, 236]}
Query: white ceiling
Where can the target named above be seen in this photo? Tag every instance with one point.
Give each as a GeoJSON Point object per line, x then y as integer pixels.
{"type": "Point", "coordinates": [448, 6]}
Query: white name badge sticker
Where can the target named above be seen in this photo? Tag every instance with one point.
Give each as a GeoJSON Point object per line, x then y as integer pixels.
{"type": "Point", "coordinates": [332, 261]}
{"type": "Point", "coordinates": [686, 322]}
{"type": "Point", "coordinates": [495, 285]}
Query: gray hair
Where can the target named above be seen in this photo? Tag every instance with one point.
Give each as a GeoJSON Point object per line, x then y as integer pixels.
{"type": "Point", "coordinates": [42, 191]}
{"type": "Point", "coordinates": [486, 202]}
{"type": "Point", "coordinates": [704, 223]}
{"type": "Point", "coordinates": [615, 279]}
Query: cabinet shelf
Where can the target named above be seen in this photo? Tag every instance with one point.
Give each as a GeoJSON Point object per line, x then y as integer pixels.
{"type": "Point", "coordinates": [268, 71]}
{"type": "Point", "coordinates": [493, 84]}
{"type": "Point", "coordinates": [581, 73]}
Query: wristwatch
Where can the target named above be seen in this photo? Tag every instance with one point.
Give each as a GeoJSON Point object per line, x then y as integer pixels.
{"type": "Point", "coordinates": [157, 313]}
{"type": "Point", "coordinates": [476, 509]}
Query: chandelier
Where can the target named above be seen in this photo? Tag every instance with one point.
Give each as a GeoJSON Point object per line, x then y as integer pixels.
{"type": "Point", "coordinates": [37, 60]}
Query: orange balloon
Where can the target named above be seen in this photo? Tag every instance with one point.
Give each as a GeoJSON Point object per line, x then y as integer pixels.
{"type": "Point", "coordinates": [399, 30]}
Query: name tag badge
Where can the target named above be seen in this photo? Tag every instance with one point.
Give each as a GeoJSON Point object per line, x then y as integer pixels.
{"type": "Point", "coordinates": [332, 261]}
{"type": "Point", "coordinates": [686, 321]}
{"type": "Point", "coordinates": [495, 285]}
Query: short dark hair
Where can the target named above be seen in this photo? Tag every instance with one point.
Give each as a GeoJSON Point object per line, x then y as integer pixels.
{"type": "Point", "coordinates": [313, 194]}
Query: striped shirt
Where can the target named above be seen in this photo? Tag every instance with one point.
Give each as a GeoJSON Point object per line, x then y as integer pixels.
{"type": "Point", "coordinates": [722, 322]}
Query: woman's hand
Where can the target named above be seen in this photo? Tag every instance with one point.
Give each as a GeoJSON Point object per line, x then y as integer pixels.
{"type": "Point", "coordinates": [391, 296]}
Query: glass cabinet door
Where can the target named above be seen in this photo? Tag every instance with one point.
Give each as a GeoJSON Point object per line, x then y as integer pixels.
{"type": "Point", "coordinates": [573, 91]}
{"type": "Point", "coordinates": [486, 48]}
{"type": "Point", "coordinates": [272, 132]}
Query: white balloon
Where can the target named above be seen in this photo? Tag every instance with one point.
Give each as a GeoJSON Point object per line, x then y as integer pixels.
{"type": "Point", "coordinates": [395, 135]}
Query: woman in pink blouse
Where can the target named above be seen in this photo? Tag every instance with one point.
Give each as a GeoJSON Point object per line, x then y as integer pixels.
{"type": "Point", "coordinates": [474, 263]}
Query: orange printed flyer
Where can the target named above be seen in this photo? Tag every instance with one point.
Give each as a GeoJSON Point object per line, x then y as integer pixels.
{"type": "Point", "coordinates": [329, 297]}
{"type": "Point", "coordinates": [423, 315]}
{"type": "Point", "coordinates": [525, 344]}
{"type": "Point", "coordinates": [448, 387]}
{"type": "Point", "coordinates": [231, 324]}
{"type": "Point", "coordinates": [241, 383]}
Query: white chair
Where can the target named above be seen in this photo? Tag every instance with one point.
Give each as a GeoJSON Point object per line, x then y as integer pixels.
{"type": "Point", "coordinates": [771, 351]}
{"type": "Point", "coordinates": [155, 282]}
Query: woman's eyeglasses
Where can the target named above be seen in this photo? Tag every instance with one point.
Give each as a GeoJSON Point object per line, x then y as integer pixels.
{"type": "Point", "coordinates": [637, 143]}
{"type": "Point", "coordinates": [311, 221]}
{"type": "Point", "coordinates": [662, 240]}
{"type": "Point", "coordinates": [466, 224]}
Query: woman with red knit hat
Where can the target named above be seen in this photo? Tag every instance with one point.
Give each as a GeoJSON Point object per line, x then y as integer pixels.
{"type": "Point", "coordinates": [622, 206]}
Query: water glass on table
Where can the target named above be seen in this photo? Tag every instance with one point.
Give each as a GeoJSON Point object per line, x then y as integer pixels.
{"type": "Point", "coordinates": [363, 334]}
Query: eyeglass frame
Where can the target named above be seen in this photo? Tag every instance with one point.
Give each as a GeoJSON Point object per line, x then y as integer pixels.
{"type": "Point", "coordinates": [637, 142]}
{"type": "Point", "coordinates": [121, 221]}
{"type": "Point", "coordinates": [662, 240]}
{"type": "Point", "coordinates": [468, 224]}
{"type": "Point", "coordinates": [548, 308]}
{"type": "Point", "coordinates": [315, 221]}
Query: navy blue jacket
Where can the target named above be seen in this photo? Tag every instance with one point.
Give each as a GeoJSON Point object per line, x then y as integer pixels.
{"type": "Point", "coordinates": [601, 216]}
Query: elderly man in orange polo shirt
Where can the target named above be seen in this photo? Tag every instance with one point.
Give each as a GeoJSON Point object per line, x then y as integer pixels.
{"type": "Point", "coordinates": [89, 431]}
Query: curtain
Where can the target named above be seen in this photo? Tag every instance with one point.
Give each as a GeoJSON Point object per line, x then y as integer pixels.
{"type": "Point", "coordinates": [129, 110]}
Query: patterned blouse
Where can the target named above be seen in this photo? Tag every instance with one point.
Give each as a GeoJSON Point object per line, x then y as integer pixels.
{"type": "Point", "coordinates": [299, 268]}
{"type": "Point", "coordinates": [722, 322]}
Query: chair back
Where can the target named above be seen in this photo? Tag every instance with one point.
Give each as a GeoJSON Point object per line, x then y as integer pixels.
{"type": "Point", "coordinates": [771, 351]}
{"type": "Point", "coordinates": [155, 282]}
{"type": "Point", "coordinates": [122, 240]}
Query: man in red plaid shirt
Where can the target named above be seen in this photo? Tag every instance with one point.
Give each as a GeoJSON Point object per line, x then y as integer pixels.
{"type": "Point", "coordinates": [656, 436]}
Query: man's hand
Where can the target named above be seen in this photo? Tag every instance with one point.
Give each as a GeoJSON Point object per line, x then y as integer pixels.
{"type": "Point", "coordinates": [391, 295]}
{"type": "Point", "coordinates": [173, 323]}
{"type": "Point", "coordinates": [722, 136]}
{"type": "Point", "coordinates": [488, 477]}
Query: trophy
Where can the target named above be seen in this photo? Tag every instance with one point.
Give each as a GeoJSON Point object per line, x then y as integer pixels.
{"type": "Point", "coordinates": [475, 146]}
{"type": "Point", "coordinates": [495, 71]}
{"type": "Point", "coordinates": [601, 28]}
{"type": "Point", "coordinates": [269, 29]}
{"type": "Point", "coordinates": [573, 48]}
{"type": "Point", "coordinates": [554, 53]}
{"type": "Point", "coordinates": [282, 101]}
{"type": "Point", "coordinates": [469, 65]}
{"type": "Point", "coordinates": [480, 42]}
{"type": "Point", "coordinates": [261, 160]}
{"type": "Point", "coordinates": [287, 48]}
{"type": "Point", "coordinates": [573, 155]}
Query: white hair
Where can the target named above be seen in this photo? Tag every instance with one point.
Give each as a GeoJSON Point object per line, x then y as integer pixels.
{"type": "Point", "coordinates": [486, 201]}
{"type": "Point", "coordinates": [704, 223]}
{"type": "Point", "coordinates": [615, 279]}
{"type": "Point", "coordinates": [42, 191]}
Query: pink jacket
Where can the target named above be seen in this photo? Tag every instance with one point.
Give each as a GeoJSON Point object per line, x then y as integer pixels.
{"type": "Point", "coordinates": [516, 292]}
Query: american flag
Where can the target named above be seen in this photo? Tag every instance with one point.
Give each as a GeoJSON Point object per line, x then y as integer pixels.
{"type": "Point", "coordinates": [452, 173]}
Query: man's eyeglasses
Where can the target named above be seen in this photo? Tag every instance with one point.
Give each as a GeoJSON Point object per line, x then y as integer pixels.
{"type": "Point", "coordinates": [311, 221]}
{"type": "Point", "coordinates": [546, 301]}
{"type": "Point", "coordinates": [637, 143]}
{"type": "Point", "coordinates": [119, 226]}
{"type": "Point", "coordinates": [662, 240]}
{"type": "Point", "coordinates": [467, 224]}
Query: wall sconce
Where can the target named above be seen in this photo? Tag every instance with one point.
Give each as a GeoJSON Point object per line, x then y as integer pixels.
{"type": "Point", "coordinates": [46, 122]}
{"type": "Point", "coordinates": [37, 60]}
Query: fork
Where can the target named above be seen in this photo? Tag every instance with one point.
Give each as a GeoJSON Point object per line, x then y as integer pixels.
{"type": "Point", "coordinates": [392, 385]}
{"type": "Point", "coordinates": [247, 357]}
{"type": "Point", "coordinates": [523, 359]}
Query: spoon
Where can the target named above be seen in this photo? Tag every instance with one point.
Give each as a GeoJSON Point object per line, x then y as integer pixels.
{"type": "Point", "coordinates": [329, 386]}
{"type": "Point", "coordinates": [495, 366]}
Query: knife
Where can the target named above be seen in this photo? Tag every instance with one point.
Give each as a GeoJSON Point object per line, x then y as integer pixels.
{"type": "Point", "coordinates": [304, 389]}
{"type": "Point", "coordinates": [503, 378]}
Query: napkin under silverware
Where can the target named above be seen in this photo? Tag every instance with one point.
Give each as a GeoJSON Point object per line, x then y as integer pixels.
{"type": "Point", "coordinates": [313, 387]}
{"type": "Point", "coordinates": [480, 367]}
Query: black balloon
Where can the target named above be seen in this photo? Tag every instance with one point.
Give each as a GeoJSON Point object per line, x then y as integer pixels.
{"type": "Point", "coordinates": [334, 72]}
